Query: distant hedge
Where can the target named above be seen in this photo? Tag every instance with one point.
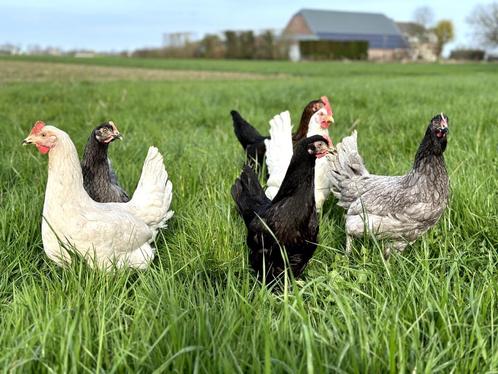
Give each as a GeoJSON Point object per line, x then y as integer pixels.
{"type": "Point", "coordinates": [334, 50]}
{"type": "Point", "coordinates": [467, 54]}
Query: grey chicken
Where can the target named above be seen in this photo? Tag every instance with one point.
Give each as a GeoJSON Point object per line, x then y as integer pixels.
{"type": "Point", "coordinates": [397, 208]}
{"type": "Point", "coordinates": [99, 179]}
{"type": "Point", "coordinates": [287, 223]}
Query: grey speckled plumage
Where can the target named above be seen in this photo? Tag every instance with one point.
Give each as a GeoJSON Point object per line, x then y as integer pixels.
{"type": "Point", "coordinates": [398, 208]}
{"type": "Point", "coordinates": [288, 223]}
{"type": "Point", "coordinates": [99, 179]}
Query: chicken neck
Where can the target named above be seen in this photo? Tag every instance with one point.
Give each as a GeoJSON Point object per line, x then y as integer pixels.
{"type": "Point", "coordinates": [95, 159]}
{"type": "Point", "coordinates": [299, 181]}
{"type": "Point", "coordinates": [65, 179]}
{"type": "Point", "coordinates": [429, 160]}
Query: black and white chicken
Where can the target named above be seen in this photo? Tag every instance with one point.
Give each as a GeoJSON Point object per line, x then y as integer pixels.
{"type": "Point", "coordinates": [397, 208]}
{"type": "Point", "coordinates": [279, 152]}
{"type": "Point", "coordinates": [288, 223]}
{"type": "Point", "coordinates": [254, 143]}
{"type": "Point", "coordinates": [99, 179]}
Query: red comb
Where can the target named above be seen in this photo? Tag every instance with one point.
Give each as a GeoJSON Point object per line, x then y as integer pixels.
{"type": "Point", "coordinates": [37, 128]}
{"type": "Point", "coordinates": [325, 102]}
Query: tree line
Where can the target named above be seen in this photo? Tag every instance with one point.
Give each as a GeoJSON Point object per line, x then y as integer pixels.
{"type": "Point", "coordinates": [230, 45]}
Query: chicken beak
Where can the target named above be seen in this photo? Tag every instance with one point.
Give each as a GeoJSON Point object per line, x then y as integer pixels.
{"type": "Point", "coordinates": [115, 131]}
{"type": "Point", "coordinates": [331, 119]}
{"type": "Point", "coordinates": [27, 141]}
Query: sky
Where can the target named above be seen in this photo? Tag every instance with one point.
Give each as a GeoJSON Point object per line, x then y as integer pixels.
{"type": "Point", "coordinates": [112, 25]}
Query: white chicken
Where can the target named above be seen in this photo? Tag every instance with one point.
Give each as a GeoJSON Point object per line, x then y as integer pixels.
{"type": "Point", "coordinates": [107, 235]}
{"type": "Point", "coordinates": [279, 150]}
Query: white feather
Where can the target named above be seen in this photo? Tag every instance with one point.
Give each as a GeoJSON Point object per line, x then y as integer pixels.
{"type": "Point", "coordinates": [152, 197]}
{"type": "Point", "coordinates": [106, 234]}
{"type": "Point", "coordinates": [278, 151]}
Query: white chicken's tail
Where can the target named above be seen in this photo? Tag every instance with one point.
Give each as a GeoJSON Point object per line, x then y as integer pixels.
{"type": "Point", "coordinates": [278, 152]}
{"type": "Point", "coordinates": [345, 168]}
{"type": "Point", "coordinates": [152, 198]}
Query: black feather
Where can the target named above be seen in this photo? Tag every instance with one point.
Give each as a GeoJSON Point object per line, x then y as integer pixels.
{"type": "Point", "coordinates": [250, 139]}
{"type": "Point", "coordinates": [431, 146]}
{"type": "Point", "coordinates": [281, 233]}
{"type": "Point", "coordinates": [99, 179]}
{"type": "Point", "coordinates": [249, 196]}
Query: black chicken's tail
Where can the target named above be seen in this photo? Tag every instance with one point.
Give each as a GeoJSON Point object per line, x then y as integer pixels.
{"type": "Point", "coordinates": [249, 195]}
{"type": "Point", "coordinates": [244, 131]}
{"type": "Point", "coordinates": [250, 139]}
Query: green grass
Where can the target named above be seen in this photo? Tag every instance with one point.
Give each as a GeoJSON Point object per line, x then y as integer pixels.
{"type": "Point", "coordinates": [198, 308]}
{"type": "Point", "coordinates": [274, 67]}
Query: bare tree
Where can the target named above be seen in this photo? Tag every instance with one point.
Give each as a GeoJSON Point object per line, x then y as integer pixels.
{"type": "Point", "coordinates": [424, 16]}
{"type": "Point", "coordinates": [484, 21]}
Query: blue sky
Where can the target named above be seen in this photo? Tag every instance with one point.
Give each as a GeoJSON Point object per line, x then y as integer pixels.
{"type": "Point", "coordinates": [130, 24]}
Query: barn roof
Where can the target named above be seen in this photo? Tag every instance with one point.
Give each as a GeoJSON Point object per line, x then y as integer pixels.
{"type": "Point", "coordinates": [379, 30]}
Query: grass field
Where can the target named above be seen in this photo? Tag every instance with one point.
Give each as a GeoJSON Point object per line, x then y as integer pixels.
{"type": "Point", "coordinates": [198, 308]}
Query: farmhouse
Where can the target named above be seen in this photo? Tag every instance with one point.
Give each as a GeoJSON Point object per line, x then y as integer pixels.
{"type": "Point", "coordinates": [423, 42]}
{"type": "Point", "coordinates": [384, 39]}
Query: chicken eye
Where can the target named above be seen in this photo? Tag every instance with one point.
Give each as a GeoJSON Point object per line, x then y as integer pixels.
{"type": "Point", "coordinates": [43, 135]}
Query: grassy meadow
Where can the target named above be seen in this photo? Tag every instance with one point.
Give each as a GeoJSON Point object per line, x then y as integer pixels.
{"type": "Point", "coordinates": [198, 308]}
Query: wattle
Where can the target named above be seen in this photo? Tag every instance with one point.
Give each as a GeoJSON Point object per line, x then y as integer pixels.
{"type": "Point", "coordinates": [42, 149]}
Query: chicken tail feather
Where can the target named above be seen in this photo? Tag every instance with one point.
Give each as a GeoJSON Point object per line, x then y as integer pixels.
{"type": "Point", "coordinates": [279, 151]}
{"type": "Point", "coordinates": [248, 194]}
{"type": "Point", "coordinates": [250, 139]}
{"type": "Point", "coordinates": [244, 131]}
{"type": "Point", "coordinates": [152, 198]}
{"type": "Point", "coordinates": [345, 167]}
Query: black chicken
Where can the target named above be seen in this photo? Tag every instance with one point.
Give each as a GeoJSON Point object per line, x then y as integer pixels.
{"type": "Point", "coordinates": [288, 223]}
{"type": "Point", "coordinates": [254, 143]}
{"type": "Point", "coordinates": [99, 179]}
